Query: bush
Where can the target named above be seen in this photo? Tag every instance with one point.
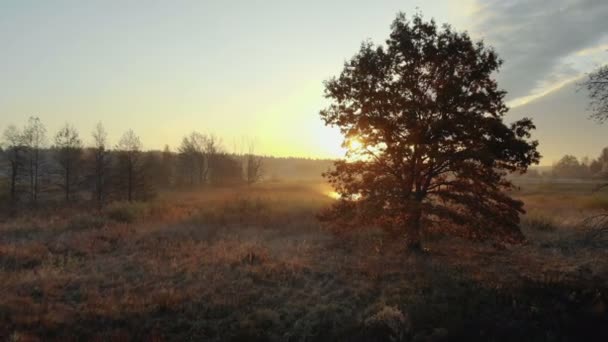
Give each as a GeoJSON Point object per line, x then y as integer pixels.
{"type": "Point", "coordinates": [126, 212]}
{"type": "Point", "coordinates": [388, 324]}
{"type": "Point", "coordinates": [329, 320]}
{"type": "Point", "coordinates": [598, 202]}
{"type": "Point", "coordinates": [86, 221]}
{"type": "Point", "coordinates": [258, 326]}
{"type": "Point", "coordinates": [540, 223]}
{"type": "Point", "coordinates": [4, 191]}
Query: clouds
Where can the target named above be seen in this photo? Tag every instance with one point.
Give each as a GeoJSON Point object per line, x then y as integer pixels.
{"type": "Point", "coordinates": [544, 44]}
{"type": "Point", "coordinates": [562, 124]}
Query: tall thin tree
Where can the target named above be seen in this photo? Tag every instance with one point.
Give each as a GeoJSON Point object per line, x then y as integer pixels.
{"type": "Point", "coordinates": [34, 140]}
{"type": "Point", "coordinates": [101, 164]}
{"type": "Point", "coordinates": [68, 154]}
{"type": "Point", "coordinates": [253, 165]}
{"type": "Point", "coordinates": [130, 163]}
{"type": "Point", "coordinates": [15, 155]}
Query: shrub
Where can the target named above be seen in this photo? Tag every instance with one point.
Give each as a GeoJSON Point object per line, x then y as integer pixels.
{"type": "Point", "coordinates": [126, 212]}
{"type": "Point", "coordinates": [323, 322]}
{"type": "Point", "coordinates": [86, 221]}
{"type": "Point", "coordinates": [540, 223]}
{"type": "Point", "coordinates": [258, 326]}
{"type": "Point", "coordinates": [19, 257]}
{"type": "Point", "coordinates": [599, 202]}
{"type": "Point", "coordinates": [4, 198]}
{"type": "Point", "coordinates": [388, 324]}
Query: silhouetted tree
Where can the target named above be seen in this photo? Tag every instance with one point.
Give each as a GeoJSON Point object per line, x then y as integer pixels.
{"type": "Point", "coordinates": [595, 167]}
{"type": "Point", "coordinates": [424, 120]}
{"type": "Point", "coordinates": [227, 170]}
{"type": "Point", "coordinates": [165, 168]}
{"type": "Point", "coordinates": [100, 167]}
{"type": "Point", "coordinates": [192, 158]}
{"type": "Point", "coordinates": [253, 166]}
{"type": "Point", "coordinates": [603, 160]}
{"type": "Point", "coordinates": [597, 87]}
{"type": "Point", "coordinates": [130, 167]}
{"type": "Point", "coordinates": [569, 167]}
{"type": "Point", "coordinates": [34, 139]}
{"type": "Point", "coordinates": [214, 157]}
{"type": "Point", "coordinates": [14, 152]}
{"type": "Point", "coordinates": [152, 174]}
{"type": "Point", "coordinates": [68, 154]}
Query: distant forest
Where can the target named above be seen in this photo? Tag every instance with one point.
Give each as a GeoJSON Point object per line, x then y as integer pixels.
{"type": "Point", "coordinates": [37, 168]}
{"type": "Point", "coordinates": [570, 167]}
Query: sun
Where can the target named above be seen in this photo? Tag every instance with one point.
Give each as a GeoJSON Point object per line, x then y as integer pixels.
{"type": "Point", "coordinates": [354, 144]}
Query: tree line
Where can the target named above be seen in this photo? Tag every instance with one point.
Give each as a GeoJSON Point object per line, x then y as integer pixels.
{"type": "Point", "coordinates": [571, 167]}
{"type": "Point", "coordinates": [37, 168]}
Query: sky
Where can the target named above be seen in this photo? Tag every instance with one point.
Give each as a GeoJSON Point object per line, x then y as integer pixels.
{"type": "Point", "coordinates": [254, 70]}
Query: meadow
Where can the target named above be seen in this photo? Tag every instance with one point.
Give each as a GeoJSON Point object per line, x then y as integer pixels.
{"type": "Point", "coordinates": [253, 263]}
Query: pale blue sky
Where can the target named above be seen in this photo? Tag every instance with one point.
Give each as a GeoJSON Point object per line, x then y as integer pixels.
{"type": "Point", "coordinates": [255, 68]}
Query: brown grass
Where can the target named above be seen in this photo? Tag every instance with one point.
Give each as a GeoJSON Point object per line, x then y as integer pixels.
{"type": "Point", "coordinates": [254, 263]}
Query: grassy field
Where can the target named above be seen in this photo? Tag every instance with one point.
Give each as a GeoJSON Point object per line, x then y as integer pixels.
{"type": "Point", "coordinates": [254, 264]}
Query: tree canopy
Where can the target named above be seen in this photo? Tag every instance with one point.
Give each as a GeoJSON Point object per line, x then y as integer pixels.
{"type": "Point", "coordinates": [423, 118]}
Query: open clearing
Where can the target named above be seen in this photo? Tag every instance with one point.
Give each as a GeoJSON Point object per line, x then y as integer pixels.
{"type": "Point", "coordinates": [255, 264]}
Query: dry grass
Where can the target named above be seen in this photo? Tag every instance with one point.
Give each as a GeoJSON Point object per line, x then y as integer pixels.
{"type": "Point", "coordinates": [254, 264]}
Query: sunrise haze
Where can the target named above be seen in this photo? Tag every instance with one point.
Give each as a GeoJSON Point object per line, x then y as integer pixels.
{"type": "Point", "coordinates": [255, 69]}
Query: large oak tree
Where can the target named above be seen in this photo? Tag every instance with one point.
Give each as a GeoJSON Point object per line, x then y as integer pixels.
{"type": "Point", "coordinates": [423, 117]}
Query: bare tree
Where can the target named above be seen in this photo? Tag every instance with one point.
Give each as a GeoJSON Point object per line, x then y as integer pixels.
{"type": "Point", "coordinates": [226, 170]}
{"type": "Point", "coordinates": [166, 170]}
{"type": "Point", "coordinates": [188, 157]}
{"type": "Point", "coordinates": [253, 166]}
{"type": "Point", "coordinates": [100, 164]}
{"type": "Point", "coordinates": [213, 156]}
{"type": "Point", "coordinates": [597, 86]}
{"type": "Point", "coordinates": [15, 154]}
{"type": "Point", "coordinates": [129, 163]}
{"type": "Point", "coordinates": [34, 139]}
{"type": "Point", "coordinates": [193, 155]}
{"type": "Point", "coordinates": [68, 154]}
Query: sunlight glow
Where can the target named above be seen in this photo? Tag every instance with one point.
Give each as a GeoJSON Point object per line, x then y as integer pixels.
{"type": "Point", "coordinates": [333, 194]}
{"type": "Point", "coordinates": [355, 144]}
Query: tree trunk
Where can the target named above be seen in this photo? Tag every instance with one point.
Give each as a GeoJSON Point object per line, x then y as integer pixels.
{"type": "Point", "coordinates": [98, 176]}
{"type": "Point", "coordinates": [67, 185]}
{"type": "Point", "coordinates": [130, 181]}
{"type": "Point", "coordinates": [413, 236]}
{"type": "Point", "coordinates": [14, 183]}
{"type": "Point", "coordinates": [36, 180]}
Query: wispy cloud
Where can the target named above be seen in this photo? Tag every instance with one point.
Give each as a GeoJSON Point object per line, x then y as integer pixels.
{"type": "Point", "coordinates": [593, 50]}
{"type": "Point", "coordinates": [544, 44]}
